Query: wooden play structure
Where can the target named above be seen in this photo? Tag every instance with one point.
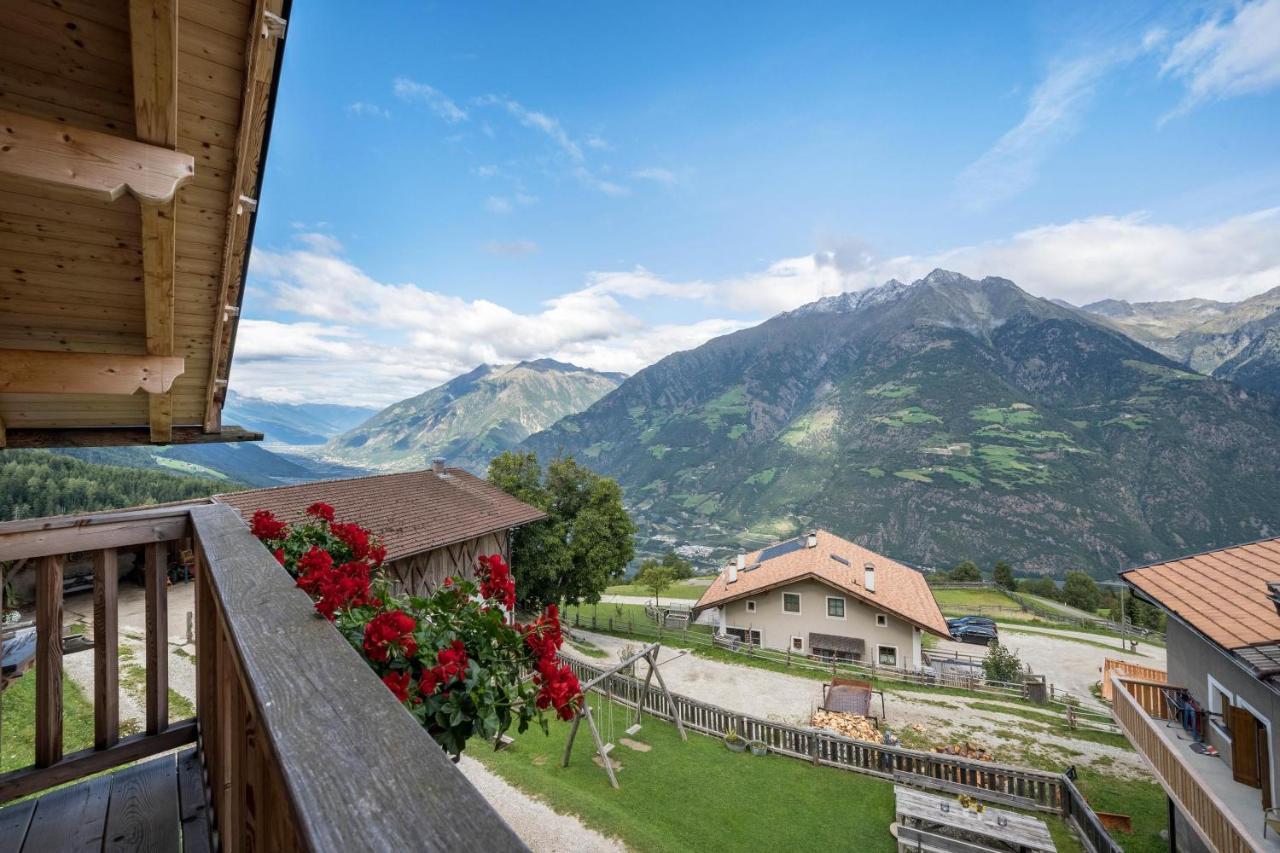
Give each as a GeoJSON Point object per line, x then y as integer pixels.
{"type": "Point", "coordinates": [649, 655]}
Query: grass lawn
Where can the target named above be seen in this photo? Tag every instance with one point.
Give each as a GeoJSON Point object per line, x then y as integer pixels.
{"type": "Point", "coordinates": [1143, 801]}
{"type": "Point", "coordinates": [691, 589]}
{"type": "Point", "coordinates": [18, 707]}
{"type": "Point", "coordinates": [773, 800]}
{"type": "Point", "coordinates": [970, 600]}
{"type": "Point", "coordinates": [623, 615]}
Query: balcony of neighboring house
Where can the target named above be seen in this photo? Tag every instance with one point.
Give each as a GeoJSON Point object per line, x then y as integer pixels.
{"type": "Point", "coordinates": [295, 743]}
{"type": "Point", "coordinates": [1167, 729]}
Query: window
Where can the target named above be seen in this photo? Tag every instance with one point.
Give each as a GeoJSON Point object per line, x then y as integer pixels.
{"type": "Point", "coordinates": [751, 606]}
{"type": "Point", "coordinates": [797, 644]}
{"type": "Point", "coordinates": [791, 602]}
{"type": "Point", "coordinates": [752, 636]}
{"type": "Point", "coordinates": [882, 621]}
{"type": "Point", "coordinates": [888, 655]}
{"type": "Point", "coordinates": [1220, 701]}
{"type": "Point", "coordinates": [835, 607]}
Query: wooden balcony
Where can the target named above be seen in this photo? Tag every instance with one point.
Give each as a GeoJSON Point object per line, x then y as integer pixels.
{"type": "Point", "coordinates": [1225, 813]}
{"type": "Point", "coordinates": [299, 746]}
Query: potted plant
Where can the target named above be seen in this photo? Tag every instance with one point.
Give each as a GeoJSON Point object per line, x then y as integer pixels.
{"type": "Point", "coordinates": [734, 742]}
{"type": "Point", "coordinates": [758, 747]}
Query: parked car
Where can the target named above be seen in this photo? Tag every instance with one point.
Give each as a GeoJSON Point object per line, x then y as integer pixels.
{"type": "Point", "coordinates": [979, 635]}
{"type": "Point", "coordinates": [971, 620]}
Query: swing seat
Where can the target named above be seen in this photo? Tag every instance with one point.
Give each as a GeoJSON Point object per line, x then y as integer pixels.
{"type": "Point", "coordinates": [633, 729]}
{"type": "Point", "coordinates": [608, 748]}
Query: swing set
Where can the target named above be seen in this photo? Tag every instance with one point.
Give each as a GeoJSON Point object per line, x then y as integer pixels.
{"type": "Point", "coordinates": [604, 745]}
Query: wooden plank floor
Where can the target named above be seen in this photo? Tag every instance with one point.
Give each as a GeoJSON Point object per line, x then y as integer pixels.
{"type": "Point", "coordinates": [156, 805]}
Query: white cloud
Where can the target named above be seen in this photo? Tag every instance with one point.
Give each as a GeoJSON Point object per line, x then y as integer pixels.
{"type": "Point", "coordinates": [363, 108]}
{"type": "Point", "coordinates": [439, 103]}
{"type": "Point", "coordinates": [498, 204]}
{"type": "Point", "coordinates": [410, 338]}
{"type": "Point", "coordinates": [1228, 56]}
{"type": "Point", "coordinates": [511, 248]}
{"type": "Point", "coordinates": [541, 122]}
{"type": "Point", "coordinates": [655, 174]}
{"type": "Point", "coordinates": [487, 171]}
{"type": "Point", "coordinates": [1053, 116]}
{"type": "Point", "coordinates": [594, 141]}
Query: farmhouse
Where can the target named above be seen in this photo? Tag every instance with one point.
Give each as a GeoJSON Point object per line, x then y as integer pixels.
{"type": "Point", "coordinates": [822, 595]}
{"type": "Point", "coordinates": [434, 522]}
{"type": "Point", "coordinates": [1221, 693]}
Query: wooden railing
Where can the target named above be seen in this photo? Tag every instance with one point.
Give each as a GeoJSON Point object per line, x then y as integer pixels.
{"type": "Point", "coordinates": [1211, 817]}
{"type": "Point", "coordinates": [1131, 672]}
{"type": "Point", "coordinates": [304, 748]}
{"type": "Point", "coordinates": [46, 542]}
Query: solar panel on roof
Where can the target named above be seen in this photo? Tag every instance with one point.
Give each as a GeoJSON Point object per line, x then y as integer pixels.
{"type": "Point", "coordinates": [781, 549]}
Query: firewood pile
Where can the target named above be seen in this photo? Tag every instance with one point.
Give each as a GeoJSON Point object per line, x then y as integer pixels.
{"type": "Point", "coordinates": [965, 750]}
{"type": "Point", "coordinates": [850, 725]}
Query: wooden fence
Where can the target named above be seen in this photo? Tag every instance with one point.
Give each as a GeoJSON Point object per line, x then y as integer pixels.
{"type": "Point", "coordinates": [1011, 786]}
{"type": "Point", "coordinates": [1129, 672]}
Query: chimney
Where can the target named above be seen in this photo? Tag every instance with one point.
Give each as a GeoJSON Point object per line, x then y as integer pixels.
{"type": "Point", "coordinates": [1273, 592]}
{"type": "Point", "coordinates": [737, 566]}
{"type": "Point", "coordinates": [869, 577]}
{"type": "Point", "coordinates": [437, 465]}
{"type": "Point", "coordinates": [812, 540]}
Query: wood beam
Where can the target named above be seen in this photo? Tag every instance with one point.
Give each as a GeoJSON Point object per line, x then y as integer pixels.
{"type": "Point", "coordinates": [40, 372]}
{"type": "Point", "coordinates": [153, 36]}
{"type": "Point", "coordinates": [98, 164]}
{"type": "Point", "coordinates": [3, 442]}
{"type": "Point", "coordinates": [121, 436]}
{"type": "Point", "coordinates": [266, 30]}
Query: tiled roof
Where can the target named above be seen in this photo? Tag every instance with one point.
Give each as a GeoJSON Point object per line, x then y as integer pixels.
{"type": "Point", "coordinates": [411, 512]}
{"type": "Point", "coordinates": [1222, 594]}
{"type": "Point", "coordinates": [900, 590]}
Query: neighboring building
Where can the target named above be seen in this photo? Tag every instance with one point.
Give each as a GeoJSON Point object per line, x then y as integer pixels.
{"type": "Point", "coordinates": [824, 596]}
{"type": "Point", "coordinates": [434, 522]}
{"type": "Point", "coordinates": [1223, 666]}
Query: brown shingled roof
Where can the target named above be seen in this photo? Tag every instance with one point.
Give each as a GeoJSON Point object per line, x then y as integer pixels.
{"type": "Point", "coordinates": [411, 512]}
{"type": "Point", "coordinates": [1222, 594]}
{"type": "Point", "coordinates": [900, 590]}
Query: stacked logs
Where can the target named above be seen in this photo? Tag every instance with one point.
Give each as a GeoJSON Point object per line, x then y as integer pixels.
{"type": "Point", "coordinates": [965, 750]}
{"type": "Point", "coordinates": [853, 726]}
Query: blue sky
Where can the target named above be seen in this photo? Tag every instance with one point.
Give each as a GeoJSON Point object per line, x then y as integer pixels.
{"type": "Point", "coordinates": [606, 183]}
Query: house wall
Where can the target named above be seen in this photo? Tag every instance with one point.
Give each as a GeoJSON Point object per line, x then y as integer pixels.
{"type": "Point", "coordinates": [421, 573]}
{"type": "Point", "coordinates": [777, 628]}
{"type": "Point", "coordinates": [1193, 660]}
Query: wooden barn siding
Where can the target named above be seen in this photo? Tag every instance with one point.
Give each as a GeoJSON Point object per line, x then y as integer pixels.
{"type": "Point", "coordinates": [420, 573]}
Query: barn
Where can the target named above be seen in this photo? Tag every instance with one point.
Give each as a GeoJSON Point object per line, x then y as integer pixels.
{"type": "Point", "coordinates": [433, 522]}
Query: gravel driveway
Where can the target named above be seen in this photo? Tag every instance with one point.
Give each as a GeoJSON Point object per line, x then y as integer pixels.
{"type": "Point", "coordinates": [923, 718]}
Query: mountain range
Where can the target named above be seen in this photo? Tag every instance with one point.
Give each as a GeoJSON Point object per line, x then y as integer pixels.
{"type": "Point", "coordinates": [293, 423]}
{"type": "Point", "coordinates": [1238, 341]}
{"type": "Point", "coordinates": [947, 419]}
{"type": "Point", "coordinates": [471, 418]}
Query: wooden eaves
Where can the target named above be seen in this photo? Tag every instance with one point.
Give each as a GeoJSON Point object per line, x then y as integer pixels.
{"type": "Point", "coordinates": [132, 137]}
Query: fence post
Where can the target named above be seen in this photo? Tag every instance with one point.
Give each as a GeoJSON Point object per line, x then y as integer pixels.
{"type": "Point", "coordinates": [631, 625]}
{"type": "Point", "coordinates": [610, 624]}
{"type": "Point", "coordinates": [814, 747]}
{"type": "Point", "coordinates": [788, 657]}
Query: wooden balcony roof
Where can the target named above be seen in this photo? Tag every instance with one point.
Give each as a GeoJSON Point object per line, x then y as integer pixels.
{"type": "Point", "coordinates": [132, 137]}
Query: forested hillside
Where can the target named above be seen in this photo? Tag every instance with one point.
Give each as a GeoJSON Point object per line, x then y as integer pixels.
{"type": "Point", "coordinates": [34, 483]}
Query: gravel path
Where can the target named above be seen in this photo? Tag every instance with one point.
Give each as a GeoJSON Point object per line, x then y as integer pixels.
{"type": "Point", "coordinates": [544, 830]}
{"type": "Point", "coordinates": [1071, 666]}
{"type": "Point", "coordinates": [923, 718]}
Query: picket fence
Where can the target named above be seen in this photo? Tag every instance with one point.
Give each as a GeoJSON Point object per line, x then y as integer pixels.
{"type": "Point", "coordinates": [1018, 787]}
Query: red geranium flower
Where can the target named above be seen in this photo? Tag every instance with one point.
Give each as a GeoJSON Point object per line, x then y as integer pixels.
{"type": "Point", "coordinates": [265, 526]}
{"type": "Point", "coordinates": [393, 628]}
{"type": "Point", "coordinates": [320, 509]}
{"type": "Point", "coordinates": [398, 684]}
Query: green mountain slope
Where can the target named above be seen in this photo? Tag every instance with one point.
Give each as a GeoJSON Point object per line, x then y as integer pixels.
{"type": "Point", "coordinates": [946, 419]}
{"type": "Point", "coordinates": [472, 418]}
{"type": "Point", "coordinates": [35, 483]}
{"type": "Point", "coordinates": [233, 464]}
